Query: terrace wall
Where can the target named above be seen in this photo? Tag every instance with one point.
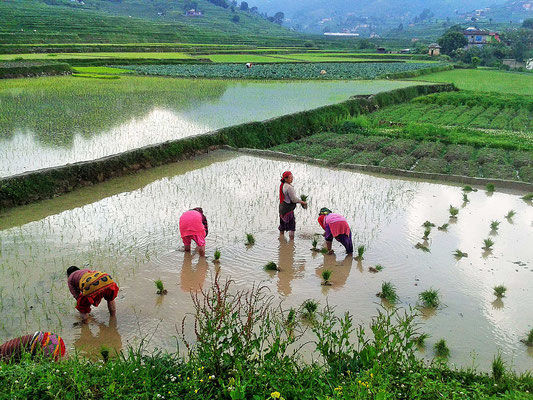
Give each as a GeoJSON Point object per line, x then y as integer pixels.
{"type": "Point", "coordinates": [27, 69]}
{"type": "Point", "coordinates": [37, 185]}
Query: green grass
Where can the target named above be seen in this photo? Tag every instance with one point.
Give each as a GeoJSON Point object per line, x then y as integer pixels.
{"type": "Point", "coordinates": [271, 266]}
{"type": "Point", "coordinates": [101, 70]}
{"type": "Point", "coordinates": [429, 298]}
{"type": "Point", "coordinates": [250, 240]}
{"type": "Point", "coordinates": [441, 349]}
{"type": "Point", "coordinates": [388, 292]}
{"type": "Point", "coordinates": [326, 276]}
{"type": "Point", "coordinates": [482, 80]}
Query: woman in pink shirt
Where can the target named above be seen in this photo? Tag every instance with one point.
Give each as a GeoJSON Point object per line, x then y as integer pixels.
{"type": "Point", "coordinates": [193, 226]}
{"type": "Point", "coordinates": [336, 227]}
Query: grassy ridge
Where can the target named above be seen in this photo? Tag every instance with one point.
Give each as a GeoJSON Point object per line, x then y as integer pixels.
{"type": "Point", "coordinates": [25, 69]}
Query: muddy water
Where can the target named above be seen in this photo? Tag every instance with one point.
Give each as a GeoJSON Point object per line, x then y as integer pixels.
{"type": "Point", "coordinates": [56, 121]}
{"type": "Point", "coordinates": [129, 227]}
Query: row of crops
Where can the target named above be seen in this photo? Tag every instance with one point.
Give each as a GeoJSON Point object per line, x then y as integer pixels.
{"type": "Point", "coordinates": [410, 154]}
{"type": "Point", "coordinates": [492, 117]}
{"type": "Point", "coordinates": [281, 71]}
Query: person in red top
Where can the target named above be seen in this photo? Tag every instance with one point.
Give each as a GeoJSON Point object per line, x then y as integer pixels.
{"type": "Point", "coordinates": [89, 287]}
{"type": "Point", "coordinates": [193, 226]}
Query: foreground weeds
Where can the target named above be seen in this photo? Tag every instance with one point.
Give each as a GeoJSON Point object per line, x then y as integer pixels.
{"type": "Point", "coordinates": [240, 345]}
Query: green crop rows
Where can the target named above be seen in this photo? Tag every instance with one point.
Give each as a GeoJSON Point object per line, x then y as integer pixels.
{"type": "Point", "coordinates": [422, 148]}
{"type": "Point", "coordinates": [281, 71]}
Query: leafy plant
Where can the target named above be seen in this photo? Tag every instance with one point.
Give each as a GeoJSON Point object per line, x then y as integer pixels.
{"type": "Point", "coordinates": [428, 225]}
{"type": "Point", "coordinates": [217, 255]}
{"type": "Point", "coordinates": [529, 340]}
{"type": "Point", "coordinates": [326, 275]}
{"type": "Point", "coordinates": [314, 243]}
{"type": "Point", "coordinates": [388, 292]}
{"type": "Point", "coordinates": [528, 197]}
{"type": "Point", "coordinates": [308, 309]}
{"type": "Point", "coordinates": [468, 189]}
{"type": "Point", "coordinates": [429, 298]}
{"type": "Point", "coordinates": [487, 244]}
{"type": "Point", "coordinates": [422, 247]}
{"type": "Point", "coordinates": [490, 187]}
{"type": "Point", "coordinates": [465, 198]}
{"type": "Point", "coordinates": [441, 349]}
{"type": "Point", "coordinates": [494, 225]}
{"type": "Point", "coordinates": [324, 250]}
{"type": "Point", "coordinates": [459, 254]}
{"type": "Point", "coordinates": [498, 368]}
{"type": "Point", "coordinates": [360, 252]}
{"type": "Point", "coordinates": [420, 340]}
{"type": "Point", "coordinates": [160, 287]}
{"type": "Point", "coordinates": [510, 214]}
{"type": "Point", "coordinates": [250, 240]}
{"type": "Point", "coordinates": [426, 234]}
{"type": "Point", "coordinates": [271, 266]}
{"type": "Point", "coordinates": [453, 212]}
{"type": "Point", "coordinates": [499, 291]}
{"type": "Point", "coordinates": [443, 227]}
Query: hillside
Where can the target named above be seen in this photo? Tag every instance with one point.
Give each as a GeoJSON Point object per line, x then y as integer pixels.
{"type": "Point", "coordinates": [134, 21]}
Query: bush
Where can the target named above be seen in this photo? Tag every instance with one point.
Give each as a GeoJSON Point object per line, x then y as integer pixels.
{"type": "Point", "coordinates": [398, 162]}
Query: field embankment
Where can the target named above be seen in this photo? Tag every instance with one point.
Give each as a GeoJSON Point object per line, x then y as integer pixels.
{"type": "Point", "coordinates": [22, 69]}
{"type": "Point", "coordinates": [30, 187]}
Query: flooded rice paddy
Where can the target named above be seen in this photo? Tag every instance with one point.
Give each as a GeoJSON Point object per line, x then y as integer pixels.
{"type": "Point", "coordinates": [54, 121]}
{"type": "Point", "coordinates": [129, 228]}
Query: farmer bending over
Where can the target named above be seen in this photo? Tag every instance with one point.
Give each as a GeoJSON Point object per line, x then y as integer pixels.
{"type": "Point", "coordinates": [46, 344]}
{"type": "Point", "coordinates": [336, 227]}
{"type": "Point", "coordinates": [193, 226]}
{"type": "Point", "coordinates": [89, 288]}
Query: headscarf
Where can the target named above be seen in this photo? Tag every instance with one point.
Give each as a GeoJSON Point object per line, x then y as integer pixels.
{"type": "Point", "coordinates": [285, 175]}
{"type": "Point", "coordinates": [199, 209]}
{"type": "Point", "coordinates": [322, 216]}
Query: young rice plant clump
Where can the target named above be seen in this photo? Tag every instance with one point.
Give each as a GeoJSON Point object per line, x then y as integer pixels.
{"type": "Point", "coordinates": [250, 240]}
{"type": "Point", "coordinates": [388, 292]}
{"type": "Point", "coordinates": [499, 291]}
{"type": "Point", "coordinates": [420, 340]}
{"type": "Point", "coordinates": [494, 225]}
{"type": "Point", "coordinates": [443, 227]}
{"type": "Point", "coordinates": [490, 187]}
{"type": "Point", "coordinates": [217, 255]}
{"type": "Point", "coordinates": [441, 349]}
{"type": "Point", "coordinates": [498, 368]}
{"type": "Point", "coordinates": [360, 252]}
{"type": "Point", "coordinates": [309, 308]}
{"type": "Point", "coordinates": [510, 214]}
{"type": "Point", "coordinates": [459, 254]}
{"type": "Point", "coordinates": [453, 211]}
{"type": "Point", "coordinates": [326, 275]}
{"type": "Point", "coordinates": [429, 298]}
{"type": "Point", "coordinates": [487, 244]}
{"type": "Point", "coordinates": [160, 287]}
{"type": "Point", "coordinates": [271, 266]}
{"type": "Point", "coordinates": [428, 225]}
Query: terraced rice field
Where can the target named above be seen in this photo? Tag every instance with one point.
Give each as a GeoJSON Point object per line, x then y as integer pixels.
{"type": "Point", "coordinates": [129, 228]}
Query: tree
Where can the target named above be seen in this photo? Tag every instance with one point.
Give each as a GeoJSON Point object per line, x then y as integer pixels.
{"type": "Point", "coordinates": [236, 18]}
{"type": "Point", "coordinates": [244, 6]}
{"type": "Point", "coordinates": [254, 10]}
{"type": "Point", "coordinates": [475, 62]}
{"type": "Point", "coordinates": [400, 28]}
{"type": "Point", "coordinates": [279, 17]}
{"type": "Point", "coordinates": [528, 23]}
{"type": "Point", "coordinates": [451, 41]}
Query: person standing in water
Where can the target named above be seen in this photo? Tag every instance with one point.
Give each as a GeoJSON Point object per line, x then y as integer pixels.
{"type": "Point", "coordinates": [336, 227]}
{"type": "Point", "coordinates": [287, 204]}
{"type": "Point", "coordinates": [89, 287]}
{"type": "Point", "coordinates": [46, 344]}
{"type": "Point", "coordinates": [193, 226]}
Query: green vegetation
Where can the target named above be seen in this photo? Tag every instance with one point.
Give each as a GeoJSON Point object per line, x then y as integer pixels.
{"type": "Point", "coordinates": [489, 187]}
{"type": "Point", "coordinates": [18, 69]}
{"type": "Point", "coordinates": [428, 225]}
{"type": "Point", "coordinates": [453, 211]}
{"type": "Point", "coordinates": [487, 244]}
{"type": "Point", "coordinates": [101, 70]}
{"type": "Point", "coordinates": [443, 227]}
{"type": "Point", "coordinates": [460, 254]}
{"type": "Point", "coordinates": [427, 231]}
{"type": "Point", "coordinates": [250, 240]}
{"type": "Point", "coordinates": [308, 309]}
{"type": "Point", "coordinates": [429, 298]}
{"type": "Point", "coordinates": [279, 71]}
{"type": "Point", "coordinates": [468, 189]}
{"type": "Point", "coordinates": [326, 276]}
{"type": "Point", "coordinates": [420, 340]}
{"type": "Point", "coordinates": [217, 255]}
{"type": "Point", "coordinates": [494, 225]}
{"type": "Point", "coordinates": [499, 291]}
{"type": "Point", "coordinates": [360, 252]}
{"type": "Point", "coordinates": [271, 266]}
{"type": "Point", "coordinates": [160, 287]}
{"type": "Point", "coordinates": [498, 368]}
{"type": "Point", "coordinates": [482, 80]}
{"type": "Point", "coordinates": [528, 197]}
{"type": "Point", "coordinates": [423, 247]}
{"type": "Point", "coordinates": [510, 214]}
{"type": "Point", "coordinates": [465, 198]}
{"type": "Point", "coordinates": [529, 340]}
{"type": "Point", "coordinates": [314, 243]}
{"type": "Point", "coordinates": [388, 292]}
{"type": "Point", "coordinates": [441, 349]}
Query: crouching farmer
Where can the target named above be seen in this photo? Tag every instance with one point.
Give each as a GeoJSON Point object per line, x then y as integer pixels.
{"type": "Point", "coordinates": [336, 227]}
{"type": "Point", "coordinates": [89, 288]}
{"type": "Point", "coordinates": [45, 344]}
{"type": "Point", "coordinates": [193, 226]}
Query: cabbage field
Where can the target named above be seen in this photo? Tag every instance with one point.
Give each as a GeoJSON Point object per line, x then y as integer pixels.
{"type": "Point", "coordinates": [282, 71]}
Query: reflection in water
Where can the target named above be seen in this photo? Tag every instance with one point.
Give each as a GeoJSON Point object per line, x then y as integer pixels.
{"type": "Point", "coordinates": [427, 312]}
{"type": "Point", "coordinates": [133, 234]}
{"type": "Point", "coordinates": [193, 278]}
{"type": "Point", "coordinates": [498, 304]}
{"type": "Point", "coordinates": [59, 120]}
{"type": "Point", "coordinates": [107, 336]}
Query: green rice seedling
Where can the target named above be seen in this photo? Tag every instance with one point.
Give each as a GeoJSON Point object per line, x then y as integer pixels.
{"type": "Point", "coordinates": [465, 198]}
{"type": "Point", "coordinates": [510, 214]}
{"type": "Point", "coordinates": [529, 340]}
{"type": "Point", "coordinates": [487, 244]}
{"type": "Point", "coordinates": [498, 368]}
{"type": "Point", "coordinates": [326, 275]}
{"type": "Point", "coordinates": [443, 227]}
{"type": "Point", "coordinates": [291, 317]}
{"type": "Point", "coordinates": [460, 254]}
{"type": "Point", "coordinates": [388, 292]}
{"type": "Point", "coordinates": [453, 211]}
{"type": "Point", "coordinates": [441, 349]}
{"type": "Point", "coordinates": [217, 255]}
{"type": "Point", "coordinates": [469, 189]}
{"type": "Point", "coordinates": [428, 225]}
{"type": "Point", "coordinates": [499, 291]}
{"type": "Point", "coordinates": [376, 269]}
{"type": "Point", "coordinates": [314, 243]}
{"type": "Point", "coordinates": [308, 309]}
{"type": "Point", "coordinates": [420, 340]}
{"type": "Point", "coordinates": [360, 252]}
{"type": "Point", "coordinates": [490, 187]}
{"type": "Point", "coordinates": [324, 251]}
{"type": "Point", "coordinates": [271, 266]}
{"type": "Point", "coordinates": [429, 298]}
{"type": "Point", "coordinates": [250, 240]}
{"type": "Point", "coordinates": [160, 287]}
{"type": "Point", "coordinates": [494, 225]}
{"type": "Point", "coordinates": [422, 247]}
{"type": "Point", "coordinates": [304, 197]}
{"type": "Point", "coordinates": [528, 197]}
{"type": "Point", "coordinates": [426, 234]}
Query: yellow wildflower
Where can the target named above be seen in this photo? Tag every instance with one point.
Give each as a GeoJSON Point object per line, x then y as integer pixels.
{"type": "Point", "coordinates": [275, 395]}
